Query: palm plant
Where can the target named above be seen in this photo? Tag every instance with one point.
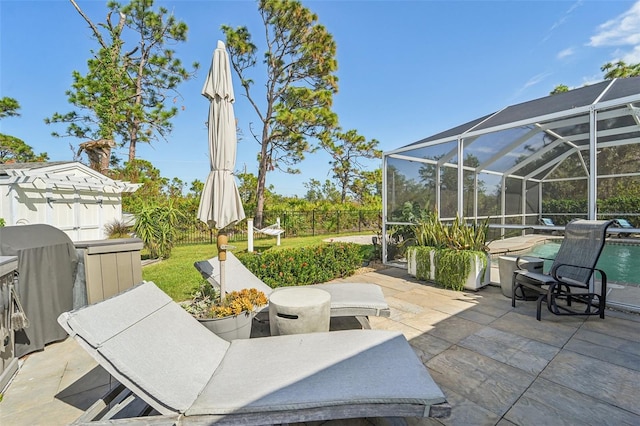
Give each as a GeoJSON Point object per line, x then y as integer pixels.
{"type": "Point", "coordinates": [156, 227]}
{"type": "Point", "coordinates": [431, 232]}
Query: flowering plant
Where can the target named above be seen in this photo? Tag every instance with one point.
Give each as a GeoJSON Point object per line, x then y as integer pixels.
{"type": "Point", "coordinates": [205, 303]}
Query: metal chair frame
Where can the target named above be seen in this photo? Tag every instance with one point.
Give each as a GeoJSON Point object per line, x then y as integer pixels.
{"type": "Point", "coordinates": [572, 273]}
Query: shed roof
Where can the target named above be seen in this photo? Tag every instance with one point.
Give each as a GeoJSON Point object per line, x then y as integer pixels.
{"type": "Point", "coordinates": [62, 174]}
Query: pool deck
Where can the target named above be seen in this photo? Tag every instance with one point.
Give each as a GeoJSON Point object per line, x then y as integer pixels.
{"type": "Point", "coordinates": [496, 364]}
{"type": "Point", "coordinates": [516, 245]}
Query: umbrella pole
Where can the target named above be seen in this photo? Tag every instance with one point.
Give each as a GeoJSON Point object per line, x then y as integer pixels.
{"type": "Point", "coordinates": [222, 257]}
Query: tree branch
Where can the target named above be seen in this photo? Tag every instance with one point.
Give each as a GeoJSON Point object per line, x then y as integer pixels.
{"type": "Point", "coordinates": [91, 24]}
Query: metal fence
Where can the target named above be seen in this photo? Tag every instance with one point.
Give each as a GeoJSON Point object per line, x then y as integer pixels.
{"type": "Point", "coordinates": [294, 223]}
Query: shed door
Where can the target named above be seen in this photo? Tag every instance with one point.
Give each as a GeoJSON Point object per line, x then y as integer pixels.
{"type": "Point", "coordinates": [78, 214]}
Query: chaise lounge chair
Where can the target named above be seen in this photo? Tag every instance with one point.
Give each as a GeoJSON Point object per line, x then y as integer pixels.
{"type": "Point", "coordinates": [627, 229]}
{"type": "Point", "coordinates": [155, 349]}
{"type": "Point", "coordinates": [547, 222]}
{"type": "Point", "coordinates": [570, 278]}
{"type": "Point", "coordinates": [272, 230]}
{"type": "Point", "coordinates": [360, 300]}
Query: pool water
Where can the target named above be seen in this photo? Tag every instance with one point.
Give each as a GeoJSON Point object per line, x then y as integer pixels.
{"type": "Point", "coordinates": [621, 262]}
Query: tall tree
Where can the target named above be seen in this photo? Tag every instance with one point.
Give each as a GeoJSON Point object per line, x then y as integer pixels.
{"type": "Point", "coordinates": [125, 91]}
{"type": "Point", "coordinates": [560, 88]}
{"type": "Point", "coordinates": [13, 149]}
{"type": "Point", "coordinates": [300, 83]}
{"type": "Point", "coordinates": [153, 189]}
{"type": "Point", "coordinates": [620, 70]}
{"type": "Point", "coordinates": [103, 94]}
{"type": "Point", "coordinates": [367, 188]}
{"type": "Point", "coordinates": [318, 191]}
{"type": "Point", "coordinates": [154, 70]}
{"type": "Point", "coordinates": [9, 107]}
{"type": "Point", "coordinates": [347, 149]}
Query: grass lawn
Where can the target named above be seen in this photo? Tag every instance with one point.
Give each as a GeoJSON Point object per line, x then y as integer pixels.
{"type": "Point", "coordinates": [179, 279]}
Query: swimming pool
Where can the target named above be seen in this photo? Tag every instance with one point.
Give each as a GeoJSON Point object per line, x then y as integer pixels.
{"type": "Point", "coordinates": [620, 261]}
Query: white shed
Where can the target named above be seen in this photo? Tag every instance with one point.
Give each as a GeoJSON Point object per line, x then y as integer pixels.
{"type": "Point", "coordinates": [68, 195]}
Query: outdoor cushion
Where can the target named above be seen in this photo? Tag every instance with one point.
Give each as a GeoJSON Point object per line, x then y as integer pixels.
{"type": "Point", "coordinates": [146, 341]}
{"type": "Point", "coordinates": [178, 367]}
{"type": "Point", "coordinates": [347, 299]}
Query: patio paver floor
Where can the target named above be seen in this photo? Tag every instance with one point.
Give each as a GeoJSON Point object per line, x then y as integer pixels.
{"type": "Point", "coordinates": [496, 364]}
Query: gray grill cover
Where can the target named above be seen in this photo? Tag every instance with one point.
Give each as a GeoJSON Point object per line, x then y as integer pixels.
{"type": "Point", "coordinates": [46, 267]}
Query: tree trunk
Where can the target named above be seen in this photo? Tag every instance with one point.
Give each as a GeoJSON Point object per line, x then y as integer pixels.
{"type": "Point", "coordinates": [99, 153]}
{"type": "Point", "coordinates": [132, 150]}
{"type": "Point", "coordinates": [133, 139]}
{"type": "Point", "coordinates": [260, 192]}
{"type": "Point", "coordinates": [263, 169]}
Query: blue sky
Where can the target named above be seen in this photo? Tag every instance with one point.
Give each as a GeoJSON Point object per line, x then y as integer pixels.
{"type": "Point", "coordinates": [407, 69]}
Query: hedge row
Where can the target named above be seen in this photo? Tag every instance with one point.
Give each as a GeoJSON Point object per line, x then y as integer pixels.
{"type": "Point", "coordinates": [625, 206]}
{"type": "Point", "coordinates": [305, 265]}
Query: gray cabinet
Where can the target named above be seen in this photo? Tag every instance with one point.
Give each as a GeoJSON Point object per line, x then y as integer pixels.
{"type": "Point", "coordinates": [110, 266]}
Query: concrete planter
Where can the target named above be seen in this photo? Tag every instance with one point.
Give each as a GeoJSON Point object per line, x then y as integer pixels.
{"type": "Point", "coordinates": [479, 276]}
{"type": "Point", "coordinates": [229, 328]}
{"type": "Point", "coordinates": [507, 266]}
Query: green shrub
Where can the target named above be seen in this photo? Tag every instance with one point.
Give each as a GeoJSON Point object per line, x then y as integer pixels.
{"type": "Point", "coordinates": [453, 267]}
{"type": "Point", "coordinates": [156, 226]}
{"type": "Point", "coordinates": [306, 265]}
{"type": "Point", "coordinates": [423, 261]}
{"type": "Point", "coordinates": [117, 229]}
{"type": "Point", "coordinates": [458, 235]}
{"type": "Point", "coordinates": [454, 245]}
{"type": "Point", "coordinates": [564, 210]}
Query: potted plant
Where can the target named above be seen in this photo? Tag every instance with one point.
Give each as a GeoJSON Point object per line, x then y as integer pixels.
{"type": "Point", "coordinates": [229, 318]}
{"type": "Point", "coordinates": [454, 256]}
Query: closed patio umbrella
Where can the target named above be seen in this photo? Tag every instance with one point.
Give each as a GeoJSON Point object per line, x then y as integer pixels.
{"type": "Point", "coordinates": [220, 203]}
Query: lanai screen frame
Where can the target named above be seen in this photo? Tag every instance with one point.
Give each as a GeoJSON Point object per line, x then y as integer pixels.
{"type": "Point", "coordinates": [581, 121]}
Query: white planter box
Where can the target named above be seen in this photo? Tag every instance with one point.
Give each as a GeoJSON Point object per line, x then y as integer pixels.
{"type": "Point", "coordinates": [475, 280]}
{"type": "Point", "coordinates": [411, 262]}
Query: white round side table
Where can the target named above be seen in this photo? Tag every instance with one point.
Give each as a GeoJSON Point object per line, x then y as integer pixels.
{"type": "Point", "coordinates": [296, 310]}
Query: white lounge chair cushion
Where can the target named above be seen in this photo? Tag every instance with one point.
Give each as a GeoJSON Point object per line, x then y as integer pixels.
{"type": "Point", "coordinates": [179, 355]}
{"type": "Point", "coordinates": [237, 275]}
{"type": "Point", "coordinates": [347, 299]}
{"type": "Point", "coordinates": [270, 230]}
{"type": "Point", "coordinates": [353, 299]}
{"type": "Point", "coordinates": [168, 359]}
{"type": "Point", "coordinates": [304, 371]}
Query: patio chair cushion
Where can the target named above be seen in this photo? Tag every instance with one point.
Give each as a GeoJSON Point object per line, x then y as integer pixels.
{"type": "Point", "coordinates": [623, 223]}
{"type": "Point", "coordinates": [347, 299]}
{"type": "Point", "coordinates": [179, 355]}
{"type": "Point", "coordinates": [319, 370]}
{"type": "Point", "coordinates": [355, 299]}
{"type": "Point", "coordinates": [535, 278]}
{"type": "Point", "coordinates": [161, 353]}
{"type": "Point", "coordinates": [546, 221]}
